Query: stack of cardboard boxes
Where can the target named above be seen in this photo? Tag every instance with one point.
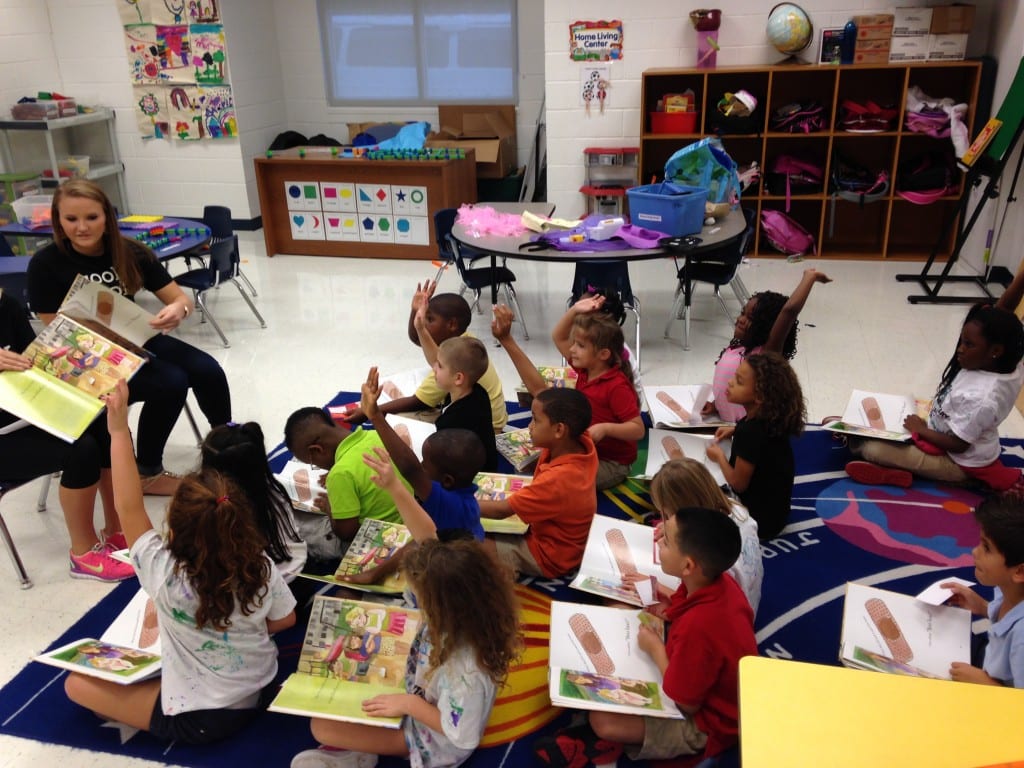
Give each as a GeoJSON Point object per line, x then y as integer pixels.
{"type": "Point", "coordinates": [874, 35]}
{"type": "Point", "coordinates": [931, 34]}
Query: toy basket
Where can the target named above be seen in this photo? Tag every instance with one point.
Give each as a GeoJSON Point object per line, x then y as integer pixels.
{"type": "Point", "coordinates": [674, 209]}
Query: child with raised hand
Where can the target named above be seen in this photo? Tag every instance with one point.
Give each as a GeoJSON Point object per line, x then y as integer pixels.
{"type": "Point", "coordinates": [593, 344]}
{"type": "Point", "coordinates": [240, 452]}
{"type": "Point", "coordinates": [960, 440]}
{"type": "Point", "coordinates": [218, 597]}
{"type": "Point", "coordinates": [460, 656]}
{"type": "Point", "coordinates": [768, 323]}
{"type": "Point", "coordinates": [998, 563]}
{"type": "Point", "coordinates": [760, 468]}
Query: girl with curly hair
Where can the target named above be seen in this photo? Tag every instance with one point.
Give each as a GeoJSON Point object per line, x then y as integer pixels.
{"type": "Point", "coordinates": [760, 467]}
{"type": "Point", "coordinates": [768, 323]}
{"type": "Point", "coordinates": [218, 599]}
{"type": "Point", "coordinates": [468, 639]}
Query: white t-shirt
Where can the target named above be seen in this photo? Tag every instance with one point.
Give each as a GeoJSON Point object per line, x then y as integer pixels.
{"type": "Point", "coordinates": [205, 668]}
{"type": "Point", "coordinates": [972, 408]}
{"type": "Point", "coordinates": [298, 551]}
{"type": "Point", "coordinates": [463, 693]}
{"type": "Point", "coordinates": [748, 570]}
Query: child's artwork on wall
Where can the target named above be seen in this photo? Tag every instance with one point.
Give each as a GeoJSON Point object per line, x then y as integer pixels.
{"type": "Point", "coordinates": [151, 111]}
{"type": "Point", "coordinates": [203, 12]}
{"type": "Point", "coordinates": [173, 49]}
{"type": "Point", "coordinates": [209, 59]}
{"type": "Point", "coordinates": [594, 85]}
{"type": "Point", "coordinates": [134, 12]}
{"type": "Point", "coordinates": [218, 106]}
{"type": "Point", "coordinates": [169, 11]}
{"type": "Point", "coordinates": [184, 113]}
{"type": "Point", "coordinates": [143, 59]}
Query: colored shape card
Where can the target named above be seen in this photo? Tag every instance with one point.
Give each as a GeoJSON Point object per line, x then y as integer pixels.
{"type": "Point", "coordinates": [664, 445]}
{"type": "Point", "coordinates": [342, 226]}
{"type": "Point", "coordinates": [373, 198]}
{"type": "Point", "coordinates": [338, 196]}
{"type": "Point", "coordinates": [203, 12]}
{"type": "Point", "coordinates": [306, 225]}
{"type": "Point", "coordinates": [141, 48]}
{"type": "Point", "coordinates": [412, 230]}
{"type": "Point", "coordinates": [218, 106]}
{"type": "Point", "coordinates": [375, 228]}
{"type": "Point", "coordinates": [151, 113]}
{"type": "Point", "coordinates": [302, 195]}
{"type": "Point", "coordinates": [186, 119]}
{"type": "Point", "coordinates": [134, 12]}
{"type": "Point", "coordinates": [409, 200]}
{"type": "Point", "coordinates": [169, 11]}
{"type": "Point", "coordinates": [209, 56]}
{"type": "Point", "coordinates": [174, 53]}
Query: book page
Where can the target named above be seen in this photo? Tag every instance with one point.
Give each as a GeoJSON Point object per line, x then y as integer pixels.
{"type": "Point", "coordinates": [114, 663]}
{"type": "Point", "coordinates": [497, 486]}
{"type": "Point", "coordinates": [664, 445]}
{"type": "Point", "coordinates": [679, 406]}
{"type": "Point", "coordinates": [136, 626]}
{"type": "Point", "coordinates": [876, 414]}
{"type": "Point", "coordinates": [517, 448]}
{"type": "Point", "coordinates": [87, 300]}
{"type": "Point", "coordinates": [393, 387]}
{"type": "Point", "coordinates": [302, 483]}
{"type": "Point", "coordinates": [375, 542]}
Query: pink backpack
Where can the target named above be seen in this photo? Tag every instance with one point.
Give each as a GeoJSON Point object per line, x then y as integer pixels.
{"type": "Point", "coordinates": [794, 175]}
{"type": "Point", "coordinates": [784, 234]}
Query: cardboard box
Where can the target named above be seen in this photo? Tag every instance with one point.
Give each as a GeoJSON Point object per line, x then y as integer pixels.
{"type": "Point", "coordinates": [874, 26]}
{"type": "Point", "coordinates": [489, 129]}
{"type": "Point", "coordinates": [910, 22]}
{"type": "Point", "coordinates": [874, 46]}
{"type": "Point", "coordinates": [871, 57]}
{"type": "Point", "coordinates": [952, 19]}
{"type": "Point", "coordinates": [947, 47]}
{"type": "Point", "coordinates": [909, 48]}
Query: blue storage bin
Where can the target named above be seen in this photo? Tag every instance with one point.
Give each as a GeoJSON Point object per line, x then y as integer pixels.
{"type": "Point", "coordinates": [674, 209]}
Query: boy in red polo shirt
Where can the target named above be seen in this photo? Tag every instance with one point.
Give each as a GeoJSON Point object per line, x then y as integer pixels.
{"type": "Point", "coordinates": [711, 628]}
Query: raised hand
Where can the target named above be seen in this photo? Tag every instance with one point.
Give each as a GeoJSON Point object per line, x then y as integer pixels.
{"type": "Point", "coordinates": [380, 462]}
{"type": "Point", "coordinates": [588, 304]}
{"type": "Point", "coordinates": [369, 393]}
{"type": "Point", "coordinates": [117, 407]}
{"type": "Point", "coordinates": [423, 294]}
{"type": "Point", "coordinates": [501, 322]}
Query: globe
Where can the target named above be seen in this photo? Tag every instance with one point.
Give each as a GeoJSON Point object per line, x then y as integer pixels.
{"type": "Point", "coordinates": [789, 28]}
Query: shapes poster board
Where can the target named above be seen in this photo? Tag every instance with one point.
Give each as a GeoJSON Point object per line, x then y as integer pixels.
{"type": "Point", "coordinates": [302, 195]}
{"type": "Point", "coordinates": [412, 230]}
{"type": "Point", "coordinates": [342, 226]}
{"type": "Point", "coordinates": [376, 228]}
{"type": "Point", "coordinates": [411, 201]}
{"type": "Point", "coordinates": [306, 225]}
{"type": "Point", "coordinates": [373, 198]}
{"type": "Point", "coordinates": [338, 196]}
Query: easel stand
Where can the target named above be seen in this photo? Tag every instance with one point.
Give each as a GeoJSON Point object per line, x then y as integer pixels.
{"type": "Point", "coordinates": [992, 164]}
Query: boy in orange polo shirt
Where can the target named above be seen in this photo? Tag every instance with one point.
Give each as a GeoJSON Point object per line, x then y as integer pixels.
{"type": "Point", "coordinates": [560, 503]}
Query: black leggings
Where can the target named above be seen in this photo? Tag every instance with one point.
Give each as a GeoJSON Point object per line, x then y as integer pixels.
{"type": "Point", "coordinates": [161, 386]}
{"type": "Point", "coordinates": [30, 453]}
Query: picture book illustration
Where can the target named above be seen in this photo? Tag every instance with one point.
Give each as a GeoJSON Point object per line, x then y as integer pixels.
{"type": "Point", "coordinates": [596, 663]}
{"type": "Point", "coordinates": [910, 635]}
{"type": "Point", "coordinates": [496, 486]}
{"type": "Point", "coordinates": [393, 387]}
{"type": "Point", "coordinates": [679, 407]}
{"type": "Point", "coordinates": [137, 626]}
{"type": "Point", "coordinates": [517, 448]}
{"type": "Point", "coordinates": [879, 415]}
{"type": "Point", "coordinates": [302, 483]}
{"type": "Point", "coordinates": [352, 651]}
{"type": "Point", "coordinates": [558, 375]}
{"type": "Point", "coordinates": [114, 316]}
{"type": "Point", "coordinates": [375, 542]}
{"type": "Point", "coordinates": [664, 445]}
{"type": "Point", "coordinates": [614, 549]}
{"type": "Point", "coordinates": [114, 663]}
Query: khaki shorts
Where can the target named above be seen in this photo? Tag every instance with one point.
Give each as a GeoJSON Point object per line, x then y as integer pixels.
{"type": "Point", "coordinates": [665, 738]}
{"type": "Point", "coordinates": [610, 474]}
{"type": "Point", "coordinates": [514, 552]}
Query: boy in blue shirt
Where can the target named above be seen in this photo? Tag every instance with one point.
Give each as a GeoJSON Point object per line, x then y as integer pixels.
{"type": "Point", "coordinates": [998, 563]}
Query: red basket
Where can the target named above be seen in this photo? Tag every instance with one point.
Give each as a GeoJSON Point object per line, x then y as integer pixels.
{"type": "Point", "coordinates": [673, 122]}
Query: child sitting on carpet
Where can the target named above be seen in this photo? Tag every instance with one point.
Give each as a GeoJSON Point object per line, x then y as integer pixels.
{"type": "Point", "coordinates": [960, 440]}
{"type": "Point", "coordinates": [218, 597]}
{"type": "Point", "coordinates": [711, 627]}
{"type": "Point", "coordinates": [768, 323]}
{"type": "Point", "coordinates": [760, 468]}
{"type": "Point", "coordinates": [998, 563]}
{"type": "Point", "coordinates": [460, 656]}
{"type": "Point", "coordinates": [560, 503]}
{"type": "Point", "coordinates": [447, 316]}
{"type": "Point", "coordinates": [593, 344]}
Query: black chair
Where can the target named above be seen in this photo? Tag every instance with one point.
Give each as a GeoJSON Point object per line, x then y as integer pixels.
{"type": "Point", "coordinates": [473, 278]}
{"type": "Point", "coordinates": [218, 219]}
{"type": "Point", "coordinates": [716, 266]}
{"type": "Point", "coordinates": [5, 488]}
{"type": "Point", "coordinates": [611, 274]}
{"type": "Point", "coordinates": [223, 267]}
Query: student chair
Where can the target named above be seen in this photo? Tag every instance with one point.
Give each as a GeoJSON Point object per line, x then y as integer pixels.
{"type": "Point", "coordinates": [218, 219]}
{"type": "Point", "coordinates": [223, 267]}
{"type": "Point", "coordinates": [5, 488]}
{"type": "Point", "coordinates": [717, 266]}
{"type": "Point", "coordinates": [473, 278]}
{"type": "Point", "coordinates": [611, 274]}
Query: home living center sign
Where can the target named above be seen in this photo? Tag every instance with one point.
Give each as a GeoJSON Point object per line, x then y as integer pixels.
{"type": "Point", "coordinates": [595, 40]}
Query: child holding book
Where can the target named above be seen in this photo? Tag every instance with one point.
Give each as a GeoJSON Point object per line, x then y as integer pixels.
{"type": "Point", "coordinates": [314, 438]}
{"type": "Point", "coordinates": [768, 323]}
{"type": "Point", "coordinates": [560, 503]}
{"type": "Point", "coordinates": [998, 563]}
{"type": "Point", "coordinates": [218, 596]}
{"type": "Point", "coordinates": [593, 344]}
{"type": "Point", "coordinates": [447, 316]}
{"type": "Point", "coordinates": [760, 468]}
{"type": "Point", "coordinates": [458, 364]}
{"type": "Point", "coordinates": [711, 627]}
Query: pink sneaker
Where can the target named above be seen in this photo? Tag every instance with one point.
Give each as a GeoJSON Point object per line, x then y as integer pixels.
{"type": "Point", "coordinates": [114, 541]}
{"type": "Point", "coordinates": [99, 565]}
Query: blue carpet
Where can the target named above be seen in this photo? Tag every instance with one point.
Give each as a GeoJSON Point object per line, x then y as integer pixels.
{"type": "Point", "coordinates": [839, 531]}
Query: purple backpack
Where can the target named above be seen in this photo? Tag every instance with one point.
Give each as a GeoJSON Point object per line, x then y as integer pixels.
{"type": "Point", "coordinates": [789, 174]}
{"type": "Point", "coordinates": [784, 234]}
{"type": "Point", "coordinates": [933, 122]}
{"type": "Point", "coordinates": [799, 118]}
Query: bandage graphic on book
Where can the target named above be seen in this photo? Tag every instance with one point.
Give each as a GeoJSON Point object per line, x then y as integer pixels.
{"type": "Point", "coordinates": [591, 644]}
{"type": "Point", "coordinates": [672, 448]}
{"type": "Point", "coordinates": [873, 413]}
{"type": "Point", "coordinates": [620, 551]}
{"type": "Point", "coordinates": [150, 627]}
{"type": "Point", "coordinates": [302, 489]}
{"type": "Point", "coordinates": [670, 403]}
{"type": "Point", "coordinates": [890, 630]}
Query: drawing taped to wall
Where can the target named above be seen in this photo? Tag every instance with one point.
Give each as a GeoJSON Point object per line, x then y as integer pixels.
{"type": "Point", "coordinates": [184, 113]}
{"type": "Point", "coordinates": [134, 12]}
{"type": "Point", "coordinates": [209, 59]}
{"type": "Point", "coordinates": [174, 52]}
{"type": "Point", "coordinates": [203, 12]}
{"type": "Point", "coordinates": [143, 59]}
{"type": "Point", "coordinates": [151, 111]}
{"type": "Point", "coordinates": [218, 107]}
{"type": "Point", "coordinates": [168, 11]}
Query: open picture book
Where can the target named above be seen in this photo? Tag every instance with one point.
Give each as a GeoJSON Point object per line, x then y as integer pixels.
{"type": "Point", "coordinates": [497, 486]}
{"type": "Point", "coordinates": [94, 341]}
{"type": "Point", "coordinates": [876, 414]}
{"type": "Point", "coordinates": [517, 448]}
{"type": "Point", "coordinates": [375, 543]}
{"type": "Point", "coordinates": [679, 407]}
{"type": "Point", "coordinates": [352, 651]}
{"type": "Point", "coordinates": [616, 548]}
{"type": "Point", "coordinates": [393, 387]}
{"type": "Point", "coordinates": [302, 483]}
{"type": "Point", "coordinates": [664, 445]}
{"type": "Point", "coordinates": [890, 632]}
{"type": "Point", "coordinates": [128, 652]}
{"type": "Point", "coordinates": [595, 662]}
{"type": "Point", "coordinates": [554, 375]}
